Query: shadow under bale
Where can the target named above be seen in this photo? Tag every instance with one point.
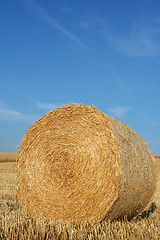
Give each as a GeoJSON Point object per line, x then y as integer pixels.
{"type": "Point", "coordinates": [147, 213]}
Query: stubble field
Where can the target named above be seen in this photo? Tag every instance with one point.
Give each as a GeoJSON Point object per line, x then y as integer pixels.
{"type": "Point", "coordinates": [14, 224]}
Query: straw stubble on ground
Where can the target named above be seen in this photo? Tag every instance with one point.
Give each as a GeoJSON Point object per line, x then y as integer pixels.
{"type": "Point", "coordinates": [15, 225]}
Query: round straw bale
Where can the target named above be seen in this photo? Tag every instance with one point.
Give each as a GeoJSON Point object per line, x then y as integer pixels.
{"type": "Point", "coordinates": [77, 164]}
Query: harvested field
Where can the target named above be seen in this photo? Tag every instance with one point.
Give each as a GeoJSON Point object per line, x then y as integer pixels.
{"type": "Point", "coordinates": [8, 156]}
{"type": "Point", "coordinates": [15, 225]}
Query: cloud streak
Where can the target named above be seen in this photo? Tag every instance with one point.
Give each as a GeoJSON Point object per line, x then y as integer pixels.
{"type": "Point", "coordinates": [119, 111]}
{"type": "Point", "coordinates": [15, 116]}
{"type": "Point", "coordinates": [46, 106]}
{"type": "Point", "coordinates": [121, 84]}
{"type": "Point", "coordinates": [54, 23]}
{"type": "Point", "coordinates": [142, 39]}
{"type": "Point", "coordinates": [146, 120]}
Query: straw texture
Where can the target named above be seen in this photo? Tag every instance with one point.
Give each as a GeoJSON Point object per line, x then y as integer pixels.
{"type": "Point", "coordinates": [77, 164]}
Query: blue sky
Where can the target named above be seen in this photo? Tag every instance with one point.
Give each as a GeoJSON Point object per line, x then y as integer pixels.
{"type": "Point", "coordinates": [105, 53]}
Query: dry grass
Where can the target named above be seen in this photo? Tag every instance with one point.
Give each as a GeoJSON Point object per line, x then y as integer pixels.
{"type": "Point", "coordinates": [8, 156]}
{"type": "Point", "coordinates": [14, 224]}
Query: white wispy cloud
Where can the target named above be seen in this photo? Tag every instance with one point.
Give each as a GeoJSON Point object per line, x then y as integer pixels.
{"type": "Point", "coordinates": [121, 84]}
{"type": "Point", "coordinates": [144, 118]}
{"type": "Point", "coordinates": [143, 39]}
{"type": "Point", "coordinates": [54, 23]}
{"type": "Point", "coordinates": [7, 114]}
{"type": "Point", "coordinates": [6, 85]}
{"type": "Point", "coordinates": [15, 116]}
{"type": "Point", "coordinates": [119, 111]}
{"type": "Point", "coordinates": [108, 67]}
{"type": "Point", "coordinates": [46, 106]}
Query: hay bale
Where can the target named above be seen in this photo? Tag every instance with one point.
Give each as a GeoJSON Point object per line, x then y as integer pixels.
{"type": "Point", "coordinates": [77, 164]}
